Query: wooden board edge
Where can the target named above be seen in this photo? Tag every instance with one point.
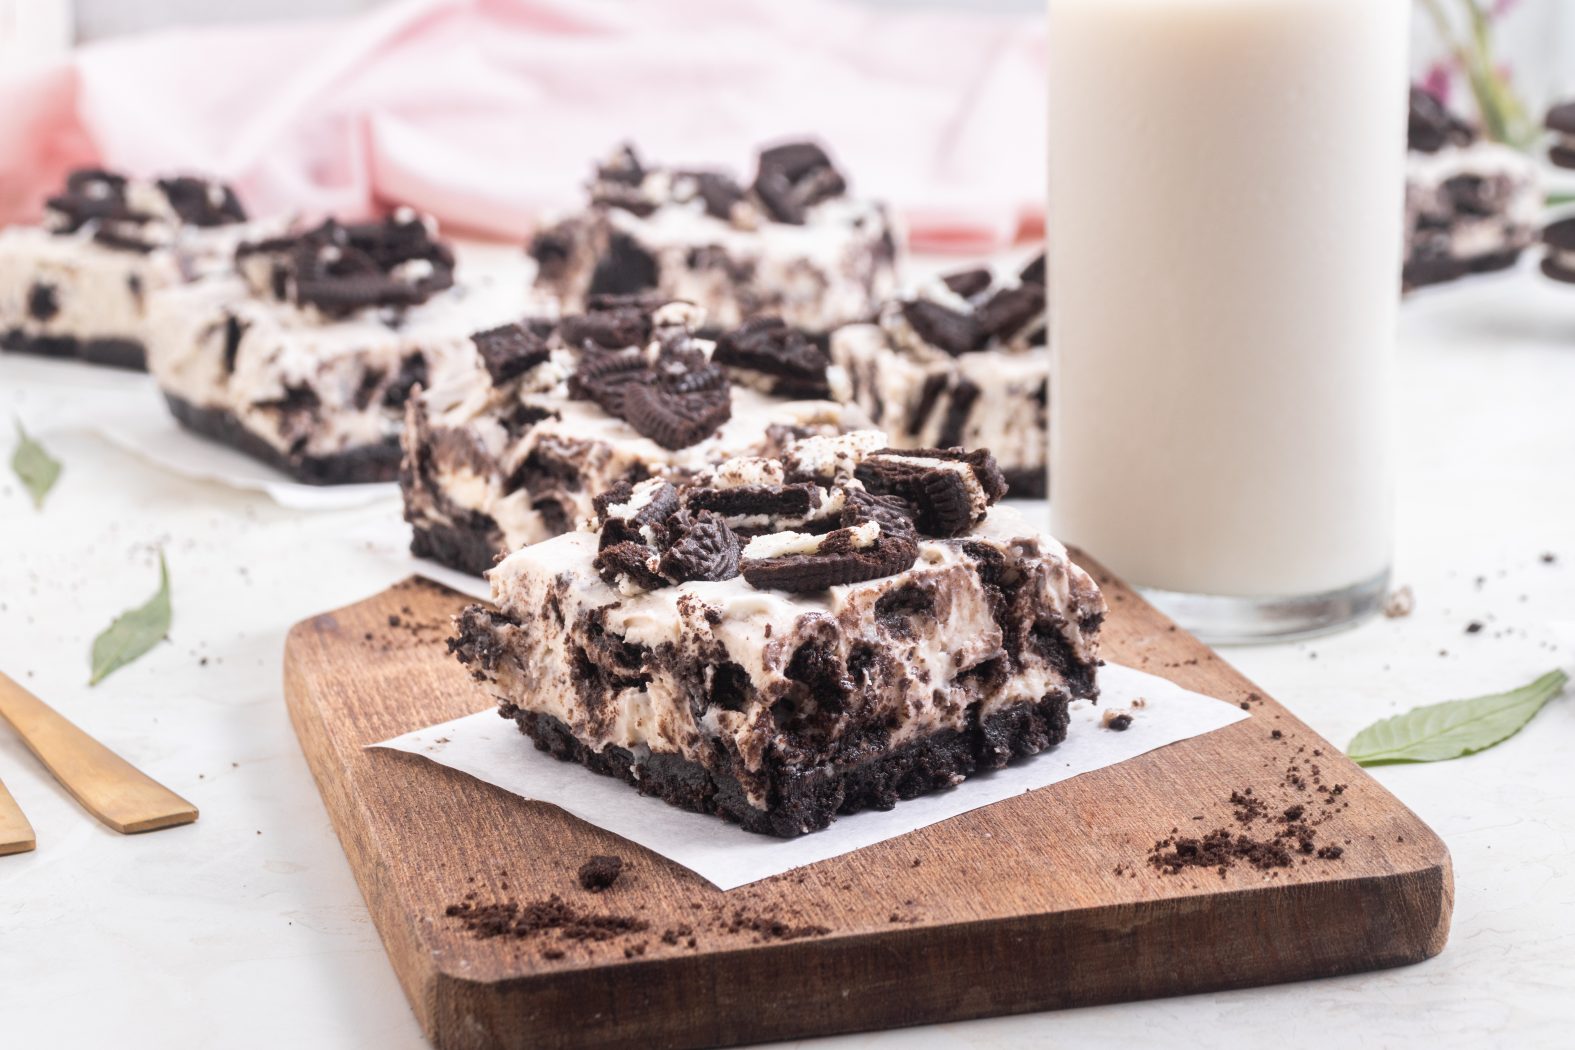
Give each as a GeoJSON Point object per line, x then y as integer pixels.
{"type": "Point", "coordinates": [918, 987]}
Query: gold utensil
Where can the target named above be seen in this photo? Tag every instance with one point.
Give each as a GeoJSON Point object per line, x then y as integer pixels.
{"type": "Point", "coordinates": [16, 834]}
{"type": "Point", "coordinates": [106, 785]}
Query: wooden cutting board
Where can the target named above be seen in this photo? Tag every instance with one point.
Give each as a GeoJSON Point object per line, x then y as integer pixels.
{"type": "Point", "coordinates": [1043, 901]}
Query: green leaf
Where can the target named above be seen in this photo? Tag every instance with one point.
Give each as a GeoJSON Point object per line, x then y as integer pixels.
{"type": "Point", "coordinates": [1454, 728]}
{"type": "Point", "coordinates": [37, 469]}
{"type": "Point", "coordinates": [1558, 200]}
{"type": "Point", "coordinates": [134, 632]}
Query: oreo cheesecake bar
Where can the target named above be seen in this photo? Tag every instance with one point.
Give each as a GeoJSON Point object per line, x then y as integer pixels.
{"type": "Point", "coordinates": [1471, 206]}
{"type": "Point", "coordinates": [1561, 124]}
{"type": "Point", "coordinates": [304, 359]}
{"type": "Point", "coordinates": [792, 244]}
{"type": "Point", "coordinates": [962, 361]}
{"type": "Point", "coordinates": [80, 284]}
{"type": "Point", "coordinates": [783, 640]}
{"type": "Point", "coordinates": [551, 414]}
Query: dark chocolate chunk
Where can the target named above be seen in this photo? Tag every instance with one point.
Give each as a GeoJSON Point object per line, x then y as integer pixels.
{"type": "Point", "coordinates": [1010, 310]}
{"type": "Point", "coordinates": [968, 283]}
{"type": "Point", "coordinates": [42, 301]}
{"type": "Point", "coordinates": [770, 346]}
{"type": "Point", "coordinates": [705, 550]}
{"type": "Point", "coordinates": [510, 350]}
{"type": "Point", "coordinates": [624, 267]}
{"type": "Point", "coordinates": [942, 327]}
{"type": "Point", "coordinates": [1034, 272]}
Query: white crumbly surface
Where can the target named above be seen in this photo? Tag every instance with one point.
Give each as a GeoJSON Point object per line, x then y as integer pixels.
{"type": "Point", "coordinates": [708, 623]}
{"type": "Point", "coordinates": [283, 347]}
{"type": "Point", "coordinates": [603, 448]}
{"type": "Point", "coordinates": [1007, 418]}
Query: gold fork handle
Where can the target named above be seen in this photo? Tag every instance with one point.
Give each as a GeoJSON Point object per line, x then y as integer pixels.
{"type": "Point", "coordinates": [106, 785]}
{"type": "Point", "coordinates": [16, 834]}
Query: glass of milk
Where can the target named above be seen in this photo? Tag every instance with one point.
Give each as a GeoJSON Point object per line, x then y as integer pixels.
{"type": "Point", "coordinates": [1226, 192]}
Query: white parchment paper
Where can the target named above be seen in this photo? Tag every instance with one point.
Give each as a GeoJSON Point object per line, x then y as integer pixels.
{"type": "Point", "coordinates": [485, 746]}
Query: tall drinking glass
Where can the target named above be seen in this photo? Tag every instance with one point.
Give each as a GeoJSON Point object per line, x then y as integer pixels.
{"type": "Point", "coordinates": [1227, 182]}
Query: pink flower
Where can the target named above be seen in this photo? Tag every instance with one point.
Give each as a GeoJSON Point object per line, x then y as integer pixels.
{"type": "Point", "coordinates": [1437, 81]}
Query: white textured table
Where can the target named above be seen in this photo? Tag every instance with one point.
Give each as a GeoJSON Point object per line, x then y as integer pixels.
{"type": "Point", "coordinates": [246, 930]}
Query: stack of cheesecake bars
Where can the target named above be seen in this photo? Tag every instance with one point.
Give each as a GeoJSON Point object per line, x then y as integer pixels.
{"type": "Point", "coordinates": [733, 478]}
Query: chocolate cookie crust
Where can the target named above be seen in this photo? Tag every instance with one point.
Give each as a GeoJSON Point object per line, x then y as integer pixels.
{"type": "Point", "coordinates": [367, 463]}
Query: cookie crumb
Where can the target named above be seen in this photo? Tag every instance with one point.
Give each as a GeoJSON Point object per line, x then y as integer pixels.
{"type": "Point", "coordinates": [1118, 722]}
{"type": "Point", "coordinates": [600, 872]}
{"type": "Point", "coordinates": [1400, 602]}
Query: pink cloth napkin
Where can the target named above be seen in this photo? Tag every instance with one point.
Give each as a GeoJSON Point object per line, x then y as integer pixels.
{"type": "Point", "coordinates": [489, 113]}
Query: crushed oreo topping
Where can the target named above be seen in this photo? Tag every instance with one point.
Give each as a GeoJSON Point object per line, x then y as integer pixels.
{"type": "Point", "coordinates": [793, 177]}
{"type": "Point", "coordinates": [648, 541]}
{"type": "Point", "coordinates": [950, 330]}
{"type": "Point", "coordinates": [512, 349]}
{"type": "Point", "coordinates": [102, 201]}
{"type": "Point", "coordinates": [874, 539]}
{"type": "Point", "coordinates": [1034, 272]}
{"type": "Point", "coordinates": [1432, 126]}
{"type": "Point", "coordinates": [949, 489]}
{"type": "Point", "coordinates": [795, 364]}
{"type": "Point", "coordinates": [340, 268]}
{"type": "Point", "coordinates": [199, 202]}
{"type": "Point", "coordinates": [968, 283]}
{"type": "Point", "coordinates": [670, 392]}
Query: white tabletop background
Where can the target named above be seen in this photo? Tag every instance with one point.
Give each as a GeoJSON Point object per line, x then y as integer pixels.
{"type": "Point", "coordinates": [247, 929]}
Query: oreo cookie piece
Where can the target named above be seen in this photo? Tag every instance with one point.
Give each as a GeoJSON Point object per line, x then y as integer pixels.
{"type": "Point", "coordinates": [1010, 310]}
{"type": "Point", "coordinates": [625, 566]}
{"type": "Point", "coordinates": [92, 195]}
{"type": "Point", "coordinates": [552, 248]}
{"type": "Point", "coordinates": [340, 268]}
{"type": "Point", "coordinates": [968, 283]}
{"type": "Point", "coordinates": [703, 549]}
{"type": "Point", "coordinates": [1432, 126]}
{"type": "Point", "coordinates": [1561, 121]}
{"type": "Point", "coordinates": [603, 377]}
{"type": "Point", "coordinates": [719, 192]}
{"type": "Point", "coordinates": [795, 363]}
{"type": "Point", "coordinates": [949, 489]}
{"type": "Point", "coordinates": [636, 513]}
{"type": "Point", "coordinates": [676, 419]}
{"type": "Point", "coordinates": [942, 327]}
{"type": "Point", "coordinates": [1034, 272]}
{"type": "Point", "coordinates": [511, 350]}
{"type": "Point", "coordinates": [1559, 263]}
{"type": "Point", "coordinates": [772, 502]}
{"type": "Point", "coordinates": [606, 325]}
{"type": "Point", "coordinates": [794, 177]}
{"type": "Point", "coordinates": [199, 202]}
{"type": "Point", "coordinates": [874, 541]}
{"type": "Point", "coordinates": [622, 167]}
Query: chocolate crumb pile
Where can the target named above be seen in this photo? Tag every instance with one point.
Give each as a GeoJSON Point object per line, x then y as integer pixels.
{"type": "Point", "coordinates": [600, 872]}
{"type": "Point", "coordinates": [512, 919]}
{"type": "Point", "coordinates": [1269, 836]}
